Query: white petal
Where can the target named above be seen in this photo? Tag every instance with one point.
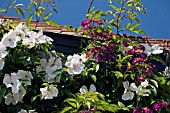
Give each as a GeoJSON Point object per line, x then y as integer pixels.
{"type": "Point", "coordinates": [126, 84]}
{"type": "Point", "coordinates": [133, 87]}
{"type": "Point", "coordinates": [8, 98]}
{"type": "Point", "coordinates": [83, 90]}
{"type": "Point", "coordinates": [92, 88]}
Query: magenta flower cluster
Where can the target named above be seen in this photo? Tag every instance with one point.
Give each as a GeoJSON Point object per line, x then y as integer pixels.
{"type": "Point", "coordinates": [140, 57]}
{"type": "Point", "coordinates": [86, 24]}
{"type": "Point", "coordinates": [102, 53]}
{"type": "Point", "coordinates": [156, 107]}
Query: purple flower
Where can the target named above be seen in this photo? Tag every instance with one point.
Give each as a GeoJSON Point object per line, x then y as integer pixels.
{"type": "Point", "coordinates": [164, 104]}
{"type": "Point", "coordinates": [85, 22]}
{"type": "Point", "coordinates": [152, 65]}
{"type": "Point", "coordinates": [125, 44]}
{"type": "Point", "coordinates": [86, 27]}
{"type": "Point", "coordinates": [111, 45]}
{"type": "Point", "coordinates": [141, 47]}
{"type": "Point", "coordinates": [129, 67]}
{"type": "Point", "coordinates": [131, 51]}
{"type": "Point", "coordinates": [148, 70]}
{"type": "Point", "coordinates": [149, 111]}
{"type": "Point", "coordinates": [136, 110]}
{"type": "Point", "coordinates": [143, 55]}
{"type": "Point", "coordinates": [157, 106]}
{"type": "Point", "coordinates": [103, 48]}
{"type": "Point", "coordinates": [98, 57]}
{"type": "Point", "coordinates": [94, 109]}
{"type": "Point", "coordinates": [138, 60]}
{"type": "Point", "coordinates": [106, 35]}
{"type": "Point", "coordinates": [141, 79]}
{"type": "Point", "coordinates": [99, 22]}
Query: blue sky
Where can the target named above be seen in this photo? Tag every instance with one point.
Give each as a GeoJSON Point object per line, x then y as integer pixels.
{"type": "Point", "coordinates": [156, 23]}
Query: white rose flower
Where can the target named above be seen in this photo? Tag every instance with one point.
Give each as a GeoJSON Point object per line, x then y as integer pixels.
{"type": "Point", "coordinates": [74, 64]}
{"type": "Point", "coordinates": [155, 49]}
{"type": "Point", "coordinates": [12, 81]}
{"type": "Point", "coordinates": [128, 94]}
{"type": "Point", "coordinates": [9, 39]}
{"type": "Point", "coordinates": [49, 92]}
{"type": "Point", "coordinates": [83, 90]}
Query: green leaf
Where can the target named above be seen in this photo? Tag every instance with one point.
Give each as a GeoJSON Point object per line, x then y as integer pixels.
{"type": "Point", "coordinates": [121, 104]}
{"type": "Point", "coordinates": [97, 67]}
{"type": "Point", "coordinates": [35, 97]}
{"type": "Point", "coordinates": [29, 20]}
{"type": "Point", "coordinates": [21, 12]}
{"type": "Point", "coordinates": [118, 74]}
{"type": "Point", "coordinates": [126, 57]}
{"type": "Point", "coordinates": [72, 102]}
{"type": "Point", "coordinates": [114, 7]}
{"type": "Point", "coordinates": [66, 109]}
{"type": "Point", "coordinates": [2, 10]}
{"type": "Point", "coordinates": [47, 16]}
{"type": "Point", "coordinates": [93, 77]}
{"type": "Point", "coordinates": [133, 26]}
{"type": "Point", "coordinates": [51, 22]}
{"type": "Point", "coordinates": [155, 83]}
{"type": "Point", "coordinates": [19, 5]}
{"type": "Point", "coordinates": [89, 15]}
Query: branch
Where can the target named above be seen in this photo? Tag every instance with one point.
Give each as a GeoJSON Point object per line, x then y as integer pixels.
{"type": "Point", "coordinates": [91, 3]}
